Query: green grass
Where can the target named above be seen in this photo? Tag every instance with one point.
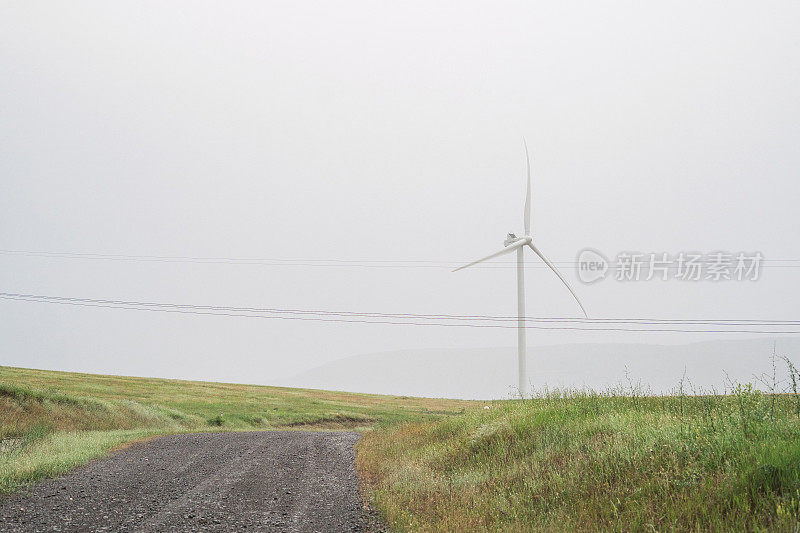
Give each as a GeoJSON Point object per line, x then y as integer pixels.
{"type": "Point", "coordinates": [51, 422]}
{"type": "Point", "coordinates": [56, 453]}
{"type": "Point", "coordinates": [586, 461]}
{"type": "Point", "coordinates": [563, 461]}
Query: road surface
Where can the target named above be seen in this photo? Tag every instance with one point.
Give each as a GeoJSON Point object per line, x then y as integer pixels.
{"type": "Point", "coordinates": [256, 481]}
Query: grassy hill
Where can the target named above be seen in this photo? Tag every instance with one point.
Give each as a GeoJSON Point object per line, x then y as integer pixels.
{"type": "Point", "coordinates": [591, 462]}
{"type": "Point", "coordinates": [53, 421]}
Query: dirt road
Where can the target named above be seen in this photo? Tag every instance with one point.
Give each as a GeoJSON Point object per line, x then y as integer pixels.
{"type": "Point", "coordinates": [260, 481]}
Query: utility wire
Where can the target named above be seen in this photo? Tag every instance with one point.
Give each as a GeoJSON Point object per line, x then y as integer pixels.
{"type": "Point", "coordinates": [482, 318]}
{"type": "Point", "coordinates": [771, 263]}
{"type": "Point", "coordinates": [346, 317]}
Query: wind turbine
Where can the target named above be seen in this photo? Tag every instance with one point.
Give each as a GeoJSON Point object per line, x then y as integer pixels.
{"type": "Point", "coordinates": [512, 243]}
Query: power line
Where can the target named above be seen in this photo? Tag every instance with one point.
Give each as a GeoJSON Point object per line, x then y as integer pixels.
{"type": "Point", "coordinates": [364, 318]}
{"type": "Point", "coordinates": [503, 318]}
{"type": "Point", "coordinates": [388, 263]}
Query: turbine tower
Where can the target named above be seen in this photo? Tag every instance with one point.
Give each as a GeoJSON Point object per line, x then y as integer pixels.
{"type": "Point", "coordinates": [512, 243]}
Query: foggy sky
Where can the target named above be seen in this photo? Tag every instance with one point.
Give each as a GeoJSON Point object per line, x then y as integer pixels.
{"type": "Point", "coordinates": [381, 131]}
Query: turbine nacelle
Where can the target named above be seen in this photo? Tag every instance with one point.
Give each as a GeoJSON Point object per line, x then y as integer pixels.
{"type": "Point", "coordinates": [513, 239]}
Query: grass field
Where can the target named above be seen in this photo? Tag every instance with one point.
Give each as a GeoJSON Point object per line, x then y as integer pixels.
{"type": "Point", "coordinates": [587, 462]}
{"type": "Point", "coordinates": [52, 421]}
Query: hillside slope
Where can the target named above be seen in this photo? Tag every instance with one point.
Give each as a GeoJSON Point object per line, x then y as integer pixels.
{"type": "Point", "coordinates": [52, 421]}
{"type": "Point", "coordinates": [486, 373]}
{"type": "Point", "coordinates": [594, 462]}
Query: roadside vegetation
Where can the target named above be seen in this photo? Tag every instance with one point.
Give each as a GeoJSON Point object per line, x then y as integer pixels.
{"type": "Point", "coordinates": [564, 460]}
{"type": "Point", "coordinates": [51, 422]}
{"type": "Point", "coordinates": [583, 460]}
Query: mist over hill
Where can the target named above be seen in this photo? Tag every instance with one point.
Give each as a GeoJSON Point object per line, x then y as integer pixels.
{"type": "Point", "coordinates": [490, 373]}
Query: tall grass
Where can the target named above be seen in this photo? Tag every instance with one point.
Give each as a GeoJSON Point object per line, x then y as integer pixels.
{"type": "Point", "coordinates": [585, 460]}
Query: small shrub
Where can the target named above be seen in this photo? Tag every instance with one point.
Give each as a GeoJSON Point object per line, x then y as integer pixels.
{"type": "Point", "coordinates": [216, 421]}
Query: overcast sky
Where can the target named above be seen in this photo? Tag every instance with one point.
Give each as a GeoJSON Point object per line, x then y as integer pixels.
{"type": "Point", "coordinates": [381, 131]}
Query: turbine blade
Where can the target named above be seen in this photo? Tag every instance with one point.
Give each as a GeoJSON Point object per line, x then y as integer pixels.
{"type": "Point", "coordinates": [527, 214]}
{"type": "Point", "coordinates": [507, 249]}
{"type": "Point", "coordinates": [557, 273]}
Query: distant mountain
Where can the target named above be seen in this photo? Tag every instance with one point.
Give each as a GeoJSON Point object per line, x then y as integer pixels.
{"type": "Point", "coordinates": [486, 373]}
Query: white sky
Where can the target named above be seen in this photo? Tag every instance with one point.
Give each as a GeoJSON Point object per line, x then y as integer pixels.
{"type": "Point", "coordinates": [381, 131]}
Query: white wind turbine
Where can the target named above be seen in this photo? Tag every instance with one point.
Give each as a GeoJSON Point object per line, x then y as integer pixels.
{"type": "Point", "coordinates": [512, 243]}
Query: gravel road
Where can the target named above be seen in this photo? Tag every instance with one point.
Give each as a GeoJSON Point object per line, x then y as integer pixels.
{"type": "Point", "coordinates": [259, 481]}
